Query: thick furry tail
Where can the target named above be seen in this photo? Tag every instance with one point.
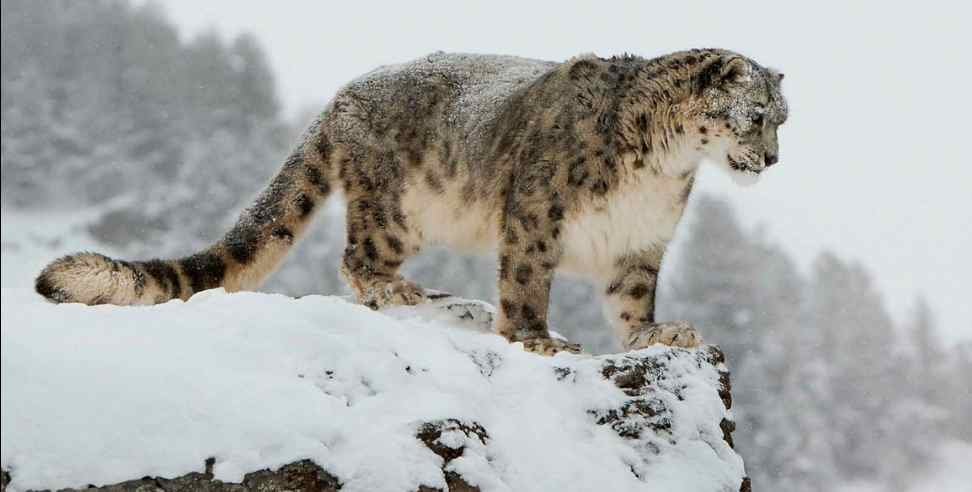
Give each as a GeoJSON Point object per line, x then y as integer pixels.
{"type": "Point", "coordinates": [246, 255]}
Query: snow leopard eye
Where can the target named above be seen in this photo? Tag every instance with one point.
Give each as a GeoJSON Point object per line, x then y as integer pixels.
{"type": "Point", "coordinates": [758, 120]}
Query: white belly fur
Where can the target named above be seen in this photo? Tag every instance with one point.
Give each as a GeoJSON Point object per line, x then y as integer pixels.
{"type": "Point", "coordinates": [450, 219]}
{"type": "Point", "coordinates": [635, 217]}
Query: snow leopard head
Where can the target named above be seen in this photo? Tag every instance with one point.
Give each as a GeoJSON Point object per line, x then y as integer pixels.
{"type": "Point", "coordinates": [741, 107]}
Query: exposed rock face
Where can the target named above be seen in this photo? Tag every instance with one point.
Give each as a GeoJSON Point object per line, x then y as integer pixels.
{"type": "Point", "coordinates": [441, 438]}
{"type": "Point", "coordinates": [301, 475]}
{"type": "Point", "coordinates": [645, 419]}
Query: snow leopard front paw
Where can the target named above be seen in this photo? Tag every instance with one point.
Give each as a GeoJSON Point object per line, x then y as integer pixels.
{"type": "Point", "coordinates": [671, 333]}
{"type": "Point", "coordinates": [395, 293]}
{"type": "Point", "coordinates": [550, 346]}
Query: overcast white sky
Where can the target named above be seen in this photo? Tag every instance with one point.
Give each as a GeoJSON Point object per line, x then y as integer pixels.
{"type": "Point", "coordinates": [873, 160]}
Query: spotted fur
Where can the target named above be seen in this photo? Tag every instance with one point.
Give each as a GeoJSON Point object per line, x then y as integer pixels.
{"type": "Point", "coordinates": [584, 166]}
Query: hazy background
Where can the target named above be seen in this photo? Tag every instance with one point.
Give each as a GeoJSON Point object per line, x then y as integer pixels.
{"type": "Point", "coordinates": [835, 286]}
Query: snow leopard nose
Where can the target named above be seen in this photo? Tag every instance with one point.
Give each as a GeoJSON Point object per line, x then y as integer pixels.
{"type": "Point", "coordinates": [770, 159]}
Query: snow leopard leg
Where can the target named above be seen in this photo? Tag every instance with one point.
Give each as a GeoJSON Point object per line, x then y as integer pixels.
{"type": "Point", "coordinates": [529, 253]}
{"type": "Point", "coordinates": [630, 304]}
{"type": "Point", "coordinates": [378, 240]}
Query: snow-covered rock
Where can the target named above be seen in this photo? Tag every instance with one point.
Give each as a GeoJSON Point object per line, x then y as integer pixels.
{"type": "Point", "coordinates": [317, 392]}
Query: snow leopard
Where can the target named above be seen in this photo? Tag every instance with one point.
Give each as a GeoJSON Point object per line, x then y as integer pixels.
{"type": "Point", "coordinates": [583, 166]}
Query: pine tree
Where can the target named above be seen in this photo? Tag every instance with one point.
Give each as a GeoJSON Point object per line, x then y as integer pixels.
{"type": "Point", "coordinates": [929, 354]}
{"type": "Point", "coordinates": [958, 391]}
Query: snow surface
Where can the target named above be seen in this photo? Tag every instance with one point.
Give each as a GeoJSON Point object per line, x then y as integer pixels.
{"type": "Point", "coordinates": [105, 394]}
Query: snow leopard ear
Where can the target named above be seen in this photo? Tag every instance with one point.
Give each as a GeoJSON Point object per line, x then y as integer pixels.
{"type": "Point", "coordinates": [735, 70]}
{"type": "Point", "coordinates": [723, 71]}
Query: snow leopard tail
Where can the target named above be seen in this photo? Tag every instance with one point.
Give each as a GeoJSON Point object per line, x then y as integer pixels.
{"type": "Point", "coordinates": [241, 260]}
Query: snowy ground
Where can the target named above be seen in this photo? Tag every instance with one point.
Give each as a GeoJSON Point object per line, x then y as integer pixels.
{"type": "Point", "coordinates": [104, 394]}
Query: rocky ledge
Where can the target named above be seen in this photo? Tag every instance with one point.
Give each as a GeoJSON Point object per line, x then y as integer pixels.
{"type": "Point", "coordinates": [657, 419]}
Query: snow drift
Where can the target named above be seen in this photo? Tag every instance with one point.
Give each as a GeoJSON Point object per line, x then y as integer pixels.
{"type": "Point", "coordinates": [319, 392]}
